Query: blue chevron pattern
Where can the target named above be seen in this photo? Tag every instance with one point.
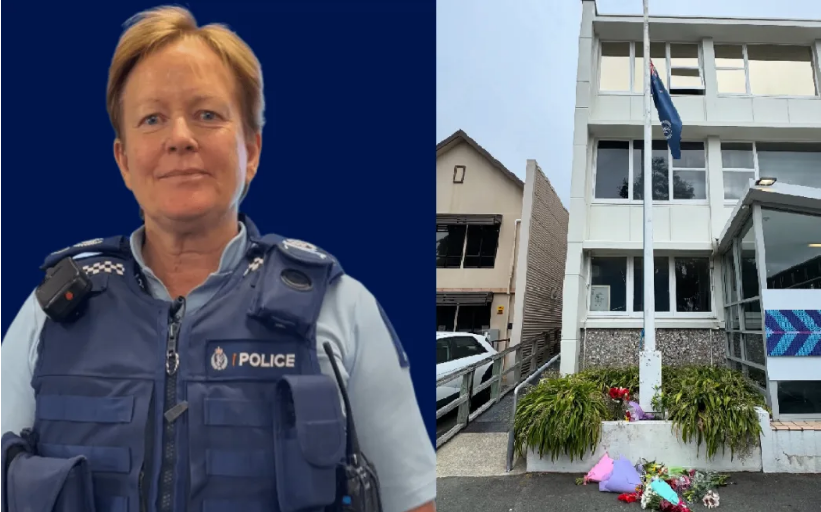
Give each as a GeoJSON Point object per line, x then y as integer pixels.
{"type": "Point", "coordinates": [793, 332]}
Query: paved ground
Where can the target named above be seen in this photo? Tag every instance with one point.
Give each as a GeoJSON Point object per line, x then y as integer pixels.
{"type": "Point", "coordinates": [472, 478]}
{"type": "Point", "coordinates": [496, 419]}
{"type": "Point", "coordinates": [749, 492]}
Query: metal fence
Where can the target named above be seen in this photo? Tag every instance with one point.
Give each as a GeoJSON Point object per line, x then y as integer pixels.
{"type": "Point", "coordinates": [529, 355]}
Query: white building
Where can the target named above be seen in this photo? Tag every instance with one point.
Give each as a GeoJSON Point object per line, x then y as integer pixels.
{"type": "Point", "coordinates": [748, 95]}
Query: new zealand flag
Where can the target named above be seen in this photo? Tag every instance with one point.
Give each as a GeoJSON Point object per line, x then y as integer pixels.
{"type": "Point", "coordinates": [668, 115]}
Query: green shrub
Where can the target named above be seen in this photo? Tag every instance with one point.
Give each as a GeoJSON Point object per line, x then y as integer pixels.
{"type": "Point", "coordinates": [714, 406]}
{"type": "Point", "coordinates": [560, 416]}
{"type": "Point", "coordinates": [607, 378]}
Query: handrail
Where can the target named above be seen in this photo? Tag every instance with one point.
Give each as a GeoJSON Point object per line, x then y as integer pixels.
{"type": "Point", "coordinates": [512, 434]}
{"type": "Point", "coordinates": [495, 383]}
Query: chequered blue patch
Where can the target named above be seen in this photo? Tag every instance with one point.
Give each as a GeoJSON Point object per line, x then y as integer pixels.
{"type": "Point", "coordinates": [793, 332]}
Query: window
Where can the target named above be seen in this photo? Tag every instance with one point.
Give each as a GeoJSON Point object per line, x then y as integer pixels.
{"type": "Point", "coordinates": [682, 286]}
{"type": "Point", "coordinates": [450, 243]}
{"type": "Point", "coordinates": [693, 290]}
{"type": "Point", "coordinates": [472, 318]}
{"type": "Point", "coordinates": [739, 168]}
{"type": "Point", "coordinates": [445, 318]}
{"type": "Point", "coordinates": [661, 284]}
{"type": "Point", "coordinates": [796, 397]}
{"type": "Point", "coordinates": [690, 173]}
{"type": "Point", "coordinates": [678, 66]}
{"type": "Point", "coordinates": [742, 310]}
{"type": "Point", "coordinates": [442, 351]}
{"type": "Point", "coordinates": [794, 163]}
{"type": "Point", "coordinates": [467, 246]}
{"type": "Point", "coordinates": [615, 67]}
{"type": "Point", "coordinates": [459, 174]}
{"type": "Point", "coordinates": [620, 176]}
{"type": "Point", "coordinates": [465, 346]}
{"type": "Point", "coordinates": [765, 70]}
{"type": "Point", "coordinates": [749, 269]}
{"type": "Point", "coordinates": [612, 169]}
{"type": "Point", "coordinates": [608, 284]}
{"type": "Point", "coordinates": [658, 54]}
{"type": "Point", "coordinates": [481, 247]}
{"type": "Point", "coordinates": [792, 247]}
{"type": "Point", "coordinates": [659, 164]}
{"type": "Point", "coordinates": [475, 319]}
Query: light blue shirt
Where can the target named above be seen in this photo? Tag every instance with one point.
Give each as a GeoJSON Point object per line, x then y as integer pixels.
{"type": "Point", "coordinates": [388, 420]}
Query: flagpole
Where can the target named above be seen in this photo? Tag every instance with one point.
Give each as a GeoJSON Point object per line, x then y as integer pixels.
{"type": "Point", "coordinates": [650, 359]}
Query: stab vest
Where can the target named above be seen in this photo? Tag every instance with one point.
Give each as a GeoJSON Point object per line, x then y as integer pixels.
{"type": "Point", "coordinates": [224, 410]}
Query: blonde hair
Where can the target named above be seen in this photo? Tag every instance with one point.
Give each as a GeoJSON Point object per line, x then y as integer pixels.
{"type": "Point", "coordinates": [151, 30]}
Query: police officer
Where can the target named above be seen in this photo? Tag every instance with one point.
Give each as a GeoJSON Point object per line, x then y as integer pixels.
{"type": "Point", "coordinates": [182, 368]}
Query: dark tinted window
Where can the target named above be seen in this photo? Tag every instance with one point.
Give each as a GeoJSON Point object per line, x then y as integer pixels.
{"type": "Point", "coordinates": [465, 346]}
{"type": "Point", "coordinates": [612, 169]}
{"type": "Point", "coordinates": [442, 351]}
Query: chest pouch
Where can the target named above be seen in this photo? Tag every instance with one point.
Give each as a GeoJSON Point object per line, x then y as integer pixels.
{"type": "Point", "coordinates": [291, 288]}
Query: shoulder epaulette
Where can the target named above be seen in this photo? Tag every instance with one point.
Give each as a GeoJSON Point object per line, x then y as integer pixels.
{"type": "Point", "coordinates": [116, 247]}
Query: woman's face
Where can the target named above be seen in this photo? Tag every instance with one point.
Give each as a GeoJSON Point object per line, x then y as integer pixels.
{"type": "Point", "coordinates": [184, 153]}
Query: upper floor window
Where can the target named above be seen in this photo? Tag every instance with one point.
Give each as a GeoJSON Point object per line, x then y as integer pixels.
{"type": "Point", "coordinates": [794, 163]}
{"type": "Point", "coordinates": [682, 285]}
{"type": "Point", "coordinates": [620, 171]}
{"type": "Point", "coordinates": [471, 242]}
{"type": "Point", "coordinates": [792, 249]}
{"type": "Point", "coordinates": [678, 65]}
{"type": "Point", "coordinates": [765, 70]}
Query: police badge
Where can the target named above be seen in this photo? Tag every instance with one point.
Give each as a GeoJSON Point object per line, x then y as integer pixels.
{"type": "Point", "coordinates": [219, 361]}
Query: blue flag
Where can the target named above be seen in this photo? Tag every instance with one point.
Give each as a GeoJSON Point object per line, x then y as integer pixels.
{"type": "Point", "coordinates": [668, 115]}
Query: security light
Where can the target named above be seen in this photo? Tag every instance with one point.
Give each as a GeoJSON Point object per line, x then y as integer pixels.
{"type": "Point", "coordinates": [766, 182]}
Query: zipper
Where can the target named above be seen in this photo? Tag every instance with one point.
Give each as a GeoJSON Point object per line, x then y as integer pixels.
{"type": "Point", "coordinates": [175, 410]}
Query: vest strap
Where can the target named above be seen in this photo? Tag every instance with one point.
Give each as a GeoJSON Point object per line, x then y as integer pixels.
{"type": "Point", "coordinates": [116, 247]}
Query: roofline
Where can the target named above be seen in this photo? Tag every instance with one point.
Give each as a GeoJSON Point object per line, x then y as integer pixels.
{"type": "Point", "coordinates": [638, 18]}
{"type": "Point", "coordinates": [460, 136]}
{"type": "Point", "coordinates": [779, 195]}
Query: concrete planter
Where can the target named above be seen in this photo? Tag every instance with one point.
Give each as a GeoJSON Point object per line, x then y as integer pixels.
{"type": "Point", "coordinates": [651, 440]}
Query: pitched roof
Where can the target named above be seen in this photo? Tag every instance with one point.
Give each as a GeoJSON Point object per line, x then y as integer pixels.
{"type": "Point", "coordinates": [459, 137]}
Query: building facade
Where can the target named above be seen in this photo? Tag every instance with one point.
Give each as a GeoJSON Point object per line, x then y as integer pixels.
{"type": "Point", "coordinates": [485, 216]}
{"type": "Point", "coordinates": [748, 95]}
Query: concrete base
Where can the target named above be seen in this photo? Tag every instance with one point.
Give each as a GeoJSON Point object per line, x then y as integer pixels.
{"type": "Point", "coordinates": [790, 451]}
{"type": "Point", "coordinates": [651, 440]}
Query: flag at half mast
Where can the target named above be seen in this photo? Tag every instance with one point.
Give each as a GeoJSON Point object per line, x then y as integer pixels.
{"type": "Point", "coordinates": [668, 115]}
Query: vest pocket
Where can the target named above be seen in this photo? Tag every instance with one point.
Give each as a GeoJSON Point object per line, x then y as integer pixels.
{"type": "Point", "coordinates": [81, 409]}
{"type": "Point", "coordinates": [57, 485]}
{"type": "Point", "coordinates": [309, 442]}
{"type": "Point", "coordinates": [101, 460]}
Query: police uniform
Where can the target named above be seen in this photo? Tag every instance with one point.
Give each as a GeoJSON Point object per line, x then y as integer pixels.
{"type": "Point", "coordinates": [218, 403]}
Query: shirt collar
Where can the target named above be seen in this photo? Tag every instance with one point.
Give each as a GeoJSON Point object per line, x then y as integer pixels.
{"type": "Point", "coordinates": [231, 257]}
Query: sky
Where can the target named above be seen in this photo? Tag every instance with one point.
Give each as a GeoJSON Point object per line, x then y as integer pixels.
{"type": "Point", "coordinates": [506, 70]}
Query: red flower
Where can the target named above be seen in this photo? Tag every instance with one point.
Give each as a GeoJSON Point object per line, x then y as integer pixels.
{"type": "Point", "coordinates": [666, 506]}
{"type": "Point", "coordinates": [619, 393]}
{"type": "Point", "coordinates": [628, 498]}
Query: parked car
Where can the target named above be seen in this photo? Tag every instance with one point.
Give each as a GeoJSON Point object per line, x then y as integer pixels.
{"type": "Point", "coordinates": [458, 350]}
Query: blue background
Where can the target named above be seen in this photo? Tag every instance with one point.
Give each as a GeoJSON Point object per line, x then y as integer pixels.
{"type": "Point", "coordinates": [347, 159]}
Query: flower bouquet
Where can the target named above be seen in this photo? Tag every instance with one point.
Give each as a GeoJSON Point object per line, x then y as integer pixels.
{"type": "Point", "coordinates": [674, 489]}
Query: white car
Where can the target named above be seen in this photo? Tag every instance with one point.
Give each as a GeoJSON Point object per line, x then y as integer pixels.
{"type": "Point", "coordinates": [458, 350]}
